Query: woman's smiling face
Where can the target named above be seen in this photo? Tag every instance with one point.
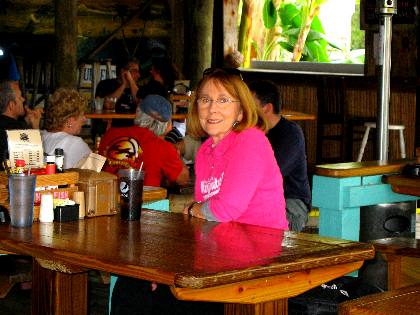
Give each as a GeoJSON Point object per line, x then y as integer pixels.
{"type": "Point", "coordinates": [217, 110]}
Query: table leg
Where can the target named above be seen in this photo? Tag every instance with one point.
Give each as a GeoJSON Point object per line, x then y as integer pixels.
{"type": "Point", "coordinates": [58, 293]}
{"type": "Point", "coordinates": [108, 123]}
{"type": "Point", "coordinates": [277, 307]}
{"type": "Point", "coordinates": [394, 271]}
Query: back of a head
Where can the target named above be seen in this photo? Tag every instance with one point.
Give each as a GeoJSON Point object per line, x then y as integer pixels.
{"type": "Point", "coordinates": [155, 114]}
{"type": "Point", "coordinates": [7, 94]}
{"type": "Point", "coordinates": [63, 104]}
{"type": "Point", "coordinates": [267, 92]}
{"type": "Point", "coordinates": [167, 70]}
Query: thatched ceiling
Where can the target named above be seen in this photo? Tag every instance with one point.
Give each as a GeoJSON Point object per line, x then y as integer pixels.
{"type": "Point", "coordinates": [96, 18]}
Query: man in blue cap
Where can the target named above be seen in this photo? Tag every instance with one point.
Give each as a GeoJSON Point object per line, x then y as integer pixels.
{"type": "Point", "coordinates": [143, 144]}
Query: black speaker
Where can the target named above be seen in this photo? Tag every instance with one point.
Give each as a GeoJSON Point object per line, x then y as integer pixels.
{"type": "Point", "coordinates": [387, 220]}
{"type": "Point", "coordinates": [380, 221]}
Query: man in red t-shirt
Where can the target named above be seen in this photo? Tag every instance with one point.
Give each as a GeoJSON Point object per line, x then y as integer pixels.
{"type": "Point", "coordinates": [129, 147]}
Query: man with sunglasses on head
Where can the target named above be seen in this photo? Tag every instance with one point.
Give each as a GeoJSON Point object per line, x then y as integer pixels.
{"type": "Point", "coordinates": [286, 138]}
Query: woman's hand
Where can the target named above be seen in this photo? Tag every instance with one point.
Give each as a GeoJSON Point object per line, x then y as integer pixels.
{"type": "Point", "coordinates": [194, 210]}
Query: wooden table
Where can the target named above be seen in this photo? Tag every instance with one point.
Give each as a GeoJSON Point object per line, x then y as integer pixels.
{"type": "Point", "coordinates": [225, 262]}
{"type": "Point", "coordinates": [404, 185]}
{"type": "Point", "coordinates": [294, 115]}
{"type": "Point", "coordinates": [151, 193]}
{"type": "Point", "coordinates": [393, 249]}
{"type": "Point", "coordinates": [108, 116]}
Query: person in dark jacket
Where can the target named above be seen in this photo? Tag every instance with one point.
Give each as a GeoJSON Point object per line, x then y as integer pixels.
{"type": "Point", "coordinates": [288, 142]}
{"type": "Point", "coordinates": [13, 113]}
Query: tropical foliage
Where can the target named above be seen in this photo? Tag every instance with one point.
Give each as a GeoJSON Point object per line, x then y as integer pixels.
{"type": "Point", "coordinates": [290, 31]}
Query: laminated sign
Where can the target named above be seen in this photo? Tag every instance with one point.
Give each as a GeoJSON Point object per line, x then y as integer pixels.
{"type": "Point", "coordinates": [25, 144]}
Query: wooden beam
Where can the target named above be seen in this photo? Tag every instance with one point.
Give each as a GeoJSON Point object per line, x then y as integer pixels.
{"type": "Point", "coordinates": [114, 33]}
{"type": "Point", "coordinates": [65, 58]}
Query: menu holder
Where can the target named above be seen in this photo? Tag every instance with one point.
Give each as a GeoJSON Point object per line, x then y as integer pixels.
{"type": "Point", "coordinates": [25, 144]}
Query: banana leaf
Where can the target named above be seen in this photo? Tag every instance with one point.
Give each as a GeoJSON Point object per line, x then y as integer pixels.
{"type": "Point", "coordinates": [269, 14]}
{"type": "Point", "coordinates": [290, 16]}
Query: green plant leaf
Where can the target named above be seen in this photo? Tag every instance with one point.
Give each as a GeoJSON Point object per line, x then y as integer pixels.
{"type": "Point", "coordinates": [286, 46]}
{"type": "Point", "coordinates": [269, 14]}
{"type": "Point", "coordinates": [317, 51]}
{"type": "Point", "coordinates": [314, 35]}
{"type": "Point", "coordinates": [317, 25]}
{"type": "Point", "coordinates": [289, 16]}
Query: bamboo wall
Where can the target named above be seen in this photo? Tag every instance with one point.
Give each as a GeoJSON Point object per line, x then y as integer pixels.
{"type": "Point", "coordinates": [299, 93]}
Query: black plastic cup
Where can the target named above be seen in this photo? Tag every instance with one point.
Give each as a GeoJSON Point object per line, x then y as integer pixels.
{"type": "Point", "coordinates": [131, 193]}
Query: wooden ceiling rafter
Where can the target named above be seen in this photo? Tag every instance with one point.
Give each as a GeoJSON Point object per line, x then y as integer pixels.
{"type": "Point", "coordinates": [129, 20]}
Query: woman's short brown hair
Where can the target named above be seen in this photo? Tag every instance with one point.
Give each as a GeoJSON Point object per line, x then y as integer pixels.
{"type": "Point", "coordinates": [63, 104]}
{"type": "Point", "coordinates": [236, 87]}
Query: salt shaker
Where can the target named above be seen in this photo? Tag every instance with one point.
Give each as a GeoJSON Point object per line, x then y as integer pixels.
{"type": "Point", "coordinates": [46, 210]}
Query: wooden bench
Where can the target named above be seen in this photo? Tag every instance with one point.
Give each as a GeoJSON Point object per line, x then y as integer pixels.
{"type": "Point", "coordinates": [395, 251]}
{"type": "Point", "coordinates": [404, 301]}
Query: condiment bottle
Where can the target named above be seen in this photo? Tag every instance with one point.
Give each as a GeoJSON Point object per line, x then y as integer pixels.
{"type": "Point", "coordinates": [50, 167]}
{"type": "Point", "coordinates": [97, 143]}
{"type": "Point", "coordinates": [59, 160]}
{"type": "Point", "coordinates": [19, 166]}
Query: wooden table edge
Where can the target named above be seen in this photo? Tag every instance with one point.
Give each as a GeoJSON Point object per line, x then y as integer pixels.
{"type": "Point", "coordinates": [367, 168]}
{"type": "Point", "coordinates": [267, 288]}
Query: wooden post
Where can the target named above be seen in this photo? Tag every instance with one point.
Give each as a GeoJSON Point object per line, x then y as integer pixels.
{"type": "Point", "coordinates": [200, 39]}
{"type": "Point", "coordinates": [65, 59]}
{"type": "Point", "coordinates": [178, 32]}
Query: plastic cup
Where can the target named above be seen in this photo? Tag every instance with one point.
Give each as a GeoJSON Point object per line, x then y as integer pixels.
{"type": "Point", "coordinates": [99, 104]}
{"type": "Point", "coordinates": [109, 103]}
{"type": "Point", "coordinates": [22, 193]}
{"type": "Point", "coordinates": [131, 193]}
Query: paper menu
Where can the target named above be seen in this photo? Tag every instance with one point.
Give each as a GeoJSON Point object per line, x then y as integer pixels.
{"type": "Point", "coordinates": [25, 144]}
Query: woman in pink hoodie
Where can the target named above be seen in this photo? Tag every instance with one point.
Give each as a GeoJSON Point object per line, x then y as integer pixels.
{"type": "Point", "coordinates": [237, 177]}
{"type": "Point", "coordinates": [237, 180]}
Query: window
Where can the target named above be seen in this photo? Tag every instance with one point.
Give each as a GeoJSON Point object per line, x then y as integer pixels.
{"type": "Point", "coordinates": [272, 34]}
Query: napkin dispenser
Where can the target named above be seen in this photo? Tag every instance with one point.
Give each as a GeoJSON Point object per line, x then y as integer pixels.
{"type": "Point", "coordinates": [101, 192]}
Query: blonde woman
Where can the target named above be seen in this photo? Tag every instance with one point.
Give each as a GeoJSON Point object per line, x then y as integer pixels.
{"type": "Point", "coordinates": [63, 121]}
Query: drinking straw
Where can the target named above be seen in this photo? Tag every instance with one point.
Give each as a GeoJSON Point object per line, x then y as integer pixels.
{"type": "Point", "coordinates": [140, 168]}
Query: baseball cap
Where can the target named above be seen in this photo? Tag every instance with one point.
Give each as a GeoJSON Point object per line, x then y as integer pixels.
{"type": "Point", "coordinates": [157, 107]}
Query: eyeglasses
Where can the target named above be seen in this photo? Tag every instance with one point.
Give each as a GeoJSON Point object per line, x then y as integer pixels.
{"type": "Point", "coordinates": [230, 71]}
{"type": "Point", "coordinates": [223, 101]}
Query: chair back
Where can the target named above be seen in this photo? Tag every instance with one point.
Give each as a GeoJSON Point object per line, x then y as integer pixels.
{"type": "Point", "coordinates": [331, 100]}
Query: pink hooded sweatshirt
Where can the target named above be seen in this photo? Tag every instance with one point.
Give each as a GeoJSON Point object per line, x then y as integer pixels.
{"type": "Point", "coordinates": [240, 180]}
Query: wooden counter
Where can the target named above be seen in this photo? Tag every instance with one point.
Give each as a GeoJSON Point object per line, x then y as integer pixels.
{"type": "Point", "coordinates": [340, 190]}
{"type": "Point", "coordinates": [404, 185]}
